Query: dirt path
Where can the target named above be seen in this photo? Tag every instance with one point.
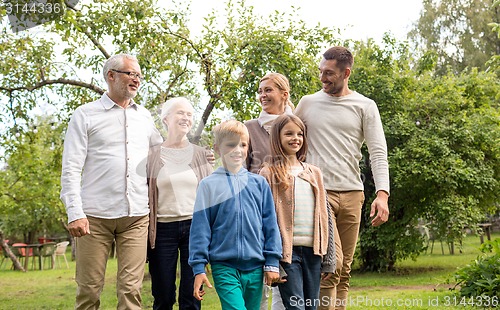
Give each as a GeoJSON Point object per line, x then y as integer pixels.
{"type": "Point", "coordinates": [403, 287]}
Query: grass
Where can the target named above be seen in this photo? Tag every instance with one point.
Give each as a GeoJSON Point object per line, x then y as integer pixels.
{"type": "Point", "coordinates": [420, 284]}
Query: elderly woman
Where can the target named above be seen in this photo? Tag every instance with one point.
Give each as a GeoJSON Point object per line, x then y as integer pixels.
{"type": "Point", "coordinates": [174, 170]}
{"type": "Point", "coordinates": [274, 97]}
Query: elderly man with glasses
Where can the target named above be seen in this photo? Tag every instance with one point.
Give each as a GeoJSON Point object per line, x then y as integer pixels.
{"type": "Point", "coordinates": [104, 186]}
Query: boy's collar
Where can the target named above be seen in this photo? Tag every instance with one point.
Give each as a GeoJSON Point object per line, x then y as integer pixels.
{"type": "Point", "coordinates": [240, 170]}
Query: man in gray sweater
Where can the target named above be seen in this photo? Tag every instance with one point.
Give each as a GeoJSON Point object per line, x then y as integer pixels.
{"type": "Point", "coordinates": [339, 121]}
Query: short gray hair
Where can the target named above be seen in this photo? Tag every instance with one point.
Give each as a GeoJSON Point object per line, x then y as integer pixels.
{"type": "Point", "coordinates": [170, 104]}
{"type": "Point", "coordinates": [115, 62]}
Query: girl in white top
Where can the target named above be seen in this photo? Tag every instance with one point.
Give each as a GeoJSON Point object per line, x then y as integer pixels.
{"type": "Point", "coordinates": [302, 214]}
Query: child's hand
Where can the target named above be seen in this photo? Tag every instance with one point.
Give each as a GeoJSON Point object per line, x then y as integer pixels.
{"type": "Point", "coordinates": [210, 156]}
{"type": "Point", "coordinates": [271, 277]}
{"type": "Point", "coordinates": [199, 280]}
{"type": "Point", "coordinates": [326, 275]}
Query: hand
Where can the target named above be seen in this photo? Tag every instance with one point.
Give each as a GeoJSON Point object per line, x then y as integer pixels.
{"type": "Point", "coordinates": [199, 280]}
{"type": "Point", "coordinates": [210, 156]}
{"type": "Point", "coordinates": [79, 227]}
{"type": "Point", "coordinates": [271, 277]}
{"type": "Point", "coordinates": [381, 206]}
{"type": "Point", "coordinates": [326, 275]}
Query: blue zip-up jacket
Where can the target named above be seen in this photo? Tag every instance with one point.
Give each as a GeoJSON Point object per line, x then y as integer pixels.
{"type": "Point", "coordinates": [234, 223]}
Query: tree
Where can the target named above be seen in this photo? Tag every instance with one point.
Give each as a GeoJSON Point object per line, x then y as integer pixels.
{"type": "Point", "coordinates": [29, 195]}
{"type": "Point", "coordinates": [494, 62]}
{"type": "Point", "coordinates": [457, 31]}
{"type": "Point", "coordinates": [443, 138]}
{"type": "Point", "coordinates": [245, 48]}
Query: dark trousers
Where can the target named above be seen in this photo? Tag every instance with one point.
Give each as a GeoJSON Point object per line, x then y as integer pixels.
{"type": "Point", "coordinates": [301, 290]}
{"type": "Point", "coordinates": [172, 241]}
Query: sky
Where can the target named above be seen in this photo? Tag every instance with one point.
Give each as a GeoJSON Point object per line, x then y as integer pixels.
{"type": "Point", "coordinates": [358, 19]}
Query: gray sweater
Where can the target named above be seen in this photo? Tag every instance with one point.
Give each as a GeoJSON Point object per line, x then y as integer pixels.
{"type": "Point", "coordinates": [259, 149]}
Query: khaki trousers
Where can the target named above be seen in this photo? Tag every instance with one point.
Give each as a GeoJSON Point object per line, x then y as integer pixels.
{"type": "Point", "coordinates": [92, 251]}
{"type": "Point", "coordinates": [347, 215]}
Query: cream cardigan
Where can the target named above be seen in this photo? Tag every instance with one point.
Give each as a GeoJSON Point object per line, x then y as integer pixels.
{"type": "Point", "coordinates": [323, 239]}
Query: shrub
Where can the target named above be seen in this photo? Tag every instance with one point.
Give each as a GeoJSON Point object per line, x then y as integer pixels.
{"type": "Point", "coordinates": [481, 277]}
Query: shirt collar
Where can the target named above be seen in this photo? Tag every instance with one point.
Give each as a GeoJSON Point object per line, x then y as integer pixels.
{"type": "Point", "coordinates": [267, 119]}
{"type": "Point", "coordinates": [108, 104]}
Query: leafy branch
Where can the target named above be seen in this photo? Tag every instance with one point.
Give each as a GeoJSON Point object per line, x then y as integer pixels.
{"type": "Point", "coordinates": [45, 82]}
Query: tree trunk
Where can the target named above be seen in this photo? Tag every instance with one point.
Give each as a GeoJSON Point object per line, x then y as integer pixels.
{"type": "Point", "coordinates": [8, 252]}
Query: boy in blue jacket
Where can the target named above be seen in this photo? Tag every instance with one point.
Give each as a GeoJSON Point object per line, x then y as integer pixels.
{"type": "Point", "coordinates": [234, 226]}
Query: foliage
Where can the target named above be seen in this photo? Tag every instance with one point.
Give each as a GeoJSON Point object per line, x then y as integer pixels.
{"type": "Point", "coordinates": [443, 138]}
{"type": "Point", "coordinates": [239, 47]}
{"type": "Point", "coordinates": [29, 195]}
{"type": "Point", "coordinates": [481, 277]}
{"type": "Point", "coordinates": [494, 62]}
{"type": "Point", "coordinates": [383, 73]}
{"type": "Point", "coordinates": [458, 31]}
{"type": "Point", "coordinates": [448, 161]}
{"type": "Point", "coordinates": [235, 49]}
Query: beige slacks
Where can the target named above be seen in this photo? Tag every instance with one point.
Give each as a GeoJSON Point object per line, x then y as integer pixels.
{"type": "Point", "coordinates": [347, 215]}
{"type": "Point", "coordinates": [92, 253]}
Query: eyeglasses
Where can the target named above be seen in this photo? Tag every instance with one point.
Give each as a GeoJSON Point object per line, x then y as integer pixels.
{"type": "Point", "coordinates": [132, 75]}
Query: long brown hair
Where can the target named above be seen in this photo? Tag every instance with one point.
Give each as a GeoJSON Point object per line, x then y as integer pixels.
{"type": "Point", "coordinates": [279, 164]}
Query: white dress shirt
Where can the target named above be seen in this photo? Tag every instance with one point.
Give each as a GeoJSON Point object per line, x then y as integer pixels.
{"type": "Point", "coordinates": [103, 164]}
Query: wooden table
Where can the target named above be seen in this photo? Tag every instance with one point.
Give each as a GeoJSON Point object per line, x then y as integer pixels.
{"type": "Point", "coordinates": [52, 239]}
{"type": "Point", "coordinates": [28, 252]}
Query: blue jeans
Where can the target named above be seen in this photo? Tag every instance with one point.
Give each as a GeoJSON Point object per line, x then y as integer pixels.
{"type": "Point", "coordinates": [301, 290]}
{"type": "Point", "coordinates": [172, 239]}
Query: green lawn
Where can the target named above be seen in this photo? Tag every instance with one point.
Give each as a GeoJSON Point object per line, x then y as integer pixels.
{"type": "Point", "coordinates": [421, 284]}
